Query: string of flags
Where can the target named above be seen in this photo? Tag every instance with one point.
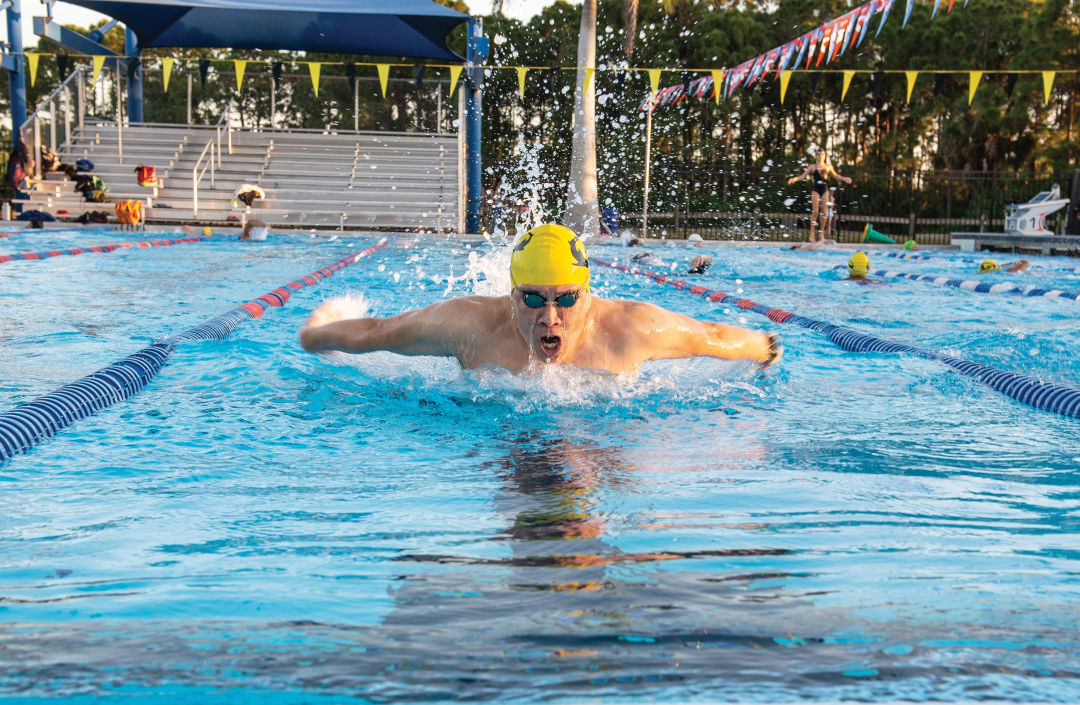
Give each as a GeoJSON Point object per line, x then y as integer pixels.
{"type": "Point", "coordinates": [695, 83]}
{"type": "Point", "coordinates": [824, 43]}
{"type": "Point", "coordinates": [704, 86]}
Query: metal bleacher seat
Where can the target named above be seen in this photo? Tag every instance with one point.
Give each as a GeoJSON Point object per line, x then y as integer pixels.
{"type": "Point", "coordinates": [404, 181]}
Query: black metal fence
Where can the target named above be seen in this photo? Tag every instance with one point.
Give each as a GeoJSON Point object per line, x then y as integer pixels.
{"type": "Point", "coordinates": [755, 202]}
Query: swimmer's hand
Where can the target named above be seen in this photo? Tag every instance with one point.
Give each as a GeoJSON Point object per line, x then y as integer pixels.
{"type": "Point", "coordinates": [776, 351]}
{"type": "Point", "coordinates": [330, 312]}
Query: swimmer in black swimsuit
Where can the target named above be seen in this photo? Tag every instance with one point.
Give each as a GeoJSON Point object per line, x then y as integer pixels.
{"type": "Point", "coordinates": [820, 196]}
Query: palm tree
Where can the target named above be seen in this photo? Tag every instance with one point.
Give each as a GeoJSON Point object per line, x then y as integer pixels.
{"type": "Point", "coordinates": [582, 214]}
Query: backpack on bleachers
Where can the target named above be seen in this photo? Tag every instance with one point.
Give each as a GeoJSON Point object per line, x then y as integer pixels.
{"type": "Point", "coordinates": [84, 165]}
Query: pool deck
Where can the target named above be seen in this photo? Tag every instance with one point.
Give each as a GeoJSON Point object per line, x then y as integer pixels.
{"type": "Point", "coordinates": [1044, 244]}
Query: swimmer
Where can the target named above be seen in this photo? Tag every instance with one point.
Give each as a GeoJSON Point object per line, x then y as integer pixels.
{"type": "Point", "coordinates": [821, 202]}
{"type": "Point", "coordinates": [988, 266]}
{"type": "Point", "coordinates": [700, 264]}
{"type": "Point", "coordinates": [255, 230]}
{"type": "Point", "coordinates": [648, 259]}
{"type": "Point", "coordinates": [911, 245]}
{"type": "Point", "coordinates": [814, 244]}
{"type": "Point", "coordinates": [694, 239]}
{"type": "Point", "coordinates": [549, 316]}
{"type": "Point", "coordinates": [857, 268]}
{"type": "Point", "coordinates": [4, 234]}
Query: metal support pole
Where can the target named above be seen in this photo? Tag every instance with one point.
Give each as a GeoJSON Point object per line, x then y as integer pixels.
{"type": "Point", "coordinates": [356, 107]}
{"type": "Point", "coordinates": [52, 123]}
{"type": "Point", "coordinates": [438, 107]}
{"type": "Point", "coordinates": [648, 162]}
{"type": "Point", "coordinates": [67, 115]}
{"type": "Point", "coordinates": [37, 146]}
{"type": "Point", "coordinates": [135, 79]}
{"type": "Point", "coordinates": [189, 98]}
{"type": "Point", "coordinates": [273, 102]}
{"type": "Point", "coordinates": [475, 55]}
{"type": "Point", "coordinates": [16, 79]}
{"type": "Point", "coordinates": [80, 97]}
{"type": "Point", "coordinates": [119, 117]}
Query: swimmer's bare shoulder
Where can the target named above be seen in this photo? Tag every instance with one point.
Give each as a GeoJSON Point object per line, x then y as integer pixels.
{"type": "Point", "coordinates": [648, 332]}
{"type": "Point", "coordinates": [444, 328]}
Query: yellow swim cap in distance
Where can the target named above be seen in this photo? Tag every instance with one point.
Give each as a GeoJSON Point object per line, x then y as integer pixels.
{"type": "Point", "coordinates": [988, 266]}
{"type": "Point", "coordinates": [858, 265]}
{"type": "Point", "coordinates": [207, 230]}
{"type": "Point", "coordinates": [549, 255]}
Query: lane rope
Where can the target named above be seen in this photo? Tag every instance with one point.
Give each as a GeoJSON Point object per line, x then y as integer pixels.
{"type": "Point", "coordinates": [977, 286]}
{"type": "Point", "coordinates": [36, 421]}
{"type": "Point", "coordinates": [100, 248]}
{"type": "Point", "coordinates": [1046, 396]}
{"type": "Point", "coordinates": [972, 260]}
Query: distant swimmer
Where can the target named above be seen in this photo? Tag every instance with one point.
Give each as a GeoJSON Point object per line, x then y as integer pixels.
{"type": "Point", "coordinates": [988, 266]}
{"type": "Point", "coordinates": [813, 245]}
{"type": "Point", "coordinates": [700, 264]}
{"type": "Point", "coordinates": [858, 267]}
{"type": "Point", "coordinates": [821, 202]}
{"type": "Point", "coordinates": [255, 230]}
{"type": "Point", "coordinates": [550, 316]}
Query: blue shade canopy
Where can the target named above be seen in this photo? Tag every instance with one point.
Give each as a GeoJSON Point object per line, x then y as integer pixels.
{"type": "Point", "coordinates": [414, 28]}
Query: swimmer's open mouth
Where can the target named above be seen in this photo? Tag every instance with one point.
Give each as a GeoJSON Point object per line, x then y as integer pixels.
{"type": "Point", "coordinates": [550, 344]}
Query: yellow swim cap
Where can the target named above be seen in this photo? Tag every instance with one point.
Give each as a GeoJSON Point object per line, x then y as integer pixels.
{"type": "Point", "coordinates": [207, 230]}
{"type": "Point", "coordinates": [549, 255]}
{"type": "Point", "coordinates": [988, 266]}
{"type": "Point", "coordinates": [858, 265]}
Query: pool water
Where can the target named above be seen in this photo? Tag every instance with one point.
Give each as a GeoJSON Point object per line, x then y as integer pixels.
{"type": "Point", "coordinates": [264, 525]}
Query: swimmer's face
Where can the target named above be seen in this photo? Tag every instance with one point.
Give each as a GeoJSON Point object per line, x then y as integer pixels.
{"type": "Point", "coordinates": [550, 330]}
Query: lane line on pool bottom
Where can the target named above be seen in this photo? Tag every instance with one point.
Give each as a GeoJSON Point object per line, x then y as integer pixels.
{"type": "Point", "coordinates": [977, 286]}
{"type": "Point", "coordinates": [31, 256]}
{"type": "Point", "coordinates": [1045, 396]}
{"type": "Point", "coordinates": [36, 421]}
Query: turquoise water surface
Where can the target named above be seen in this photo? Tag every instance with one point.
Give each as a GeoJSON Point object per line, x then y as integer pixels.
{"type": "Point", "coordinates": [264, 525]}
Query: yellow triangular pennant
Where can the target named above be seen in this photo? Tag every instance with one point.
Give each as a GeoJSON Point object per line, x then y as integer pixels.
{"type": "Point", "coordinates": [384, 76]}
{"type": "Point", "coordinates": [521, 81]}
{"type": "Point", "coordinates": [848, 75]}
{"type": "Point", "coordinates": [973, 85]}
{"type": "Point", "coordinates": [1048, 84]}
{"type": "Point", "coordinates": [314, 67]}
{"type": "Point", "coordinates": [32, 60]}
{"type": "Point", "coordinates": [911, 76]}
{"type": "Point", "coordinates": [654, 79]}
{"type": "Point", "coordinates": [588, 78]}
{"type": "Point", "coordinates": [718, 82]}
{"type": "Point", "coordinates": [98, 61]}
{"type": "Point", "coordinates": [166, 71]}
{"type": "Point", "coordinates": [455, 73]}
{"type": "Point", "coordinates": [240, 65]}
{"type": "Point", "coordinates": [785, 79]}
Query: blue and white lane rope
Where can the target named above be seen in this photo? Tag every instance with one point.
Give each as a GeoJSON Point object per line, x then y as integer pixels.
{"type": "Point", "coordinates": [1046, 396]}
{"type": "Point", "coordinates": [36, 421]}
{"type": "Point", "coordinates": [972, 260]}
{"type": "Point", "coordinates": [980, 287]}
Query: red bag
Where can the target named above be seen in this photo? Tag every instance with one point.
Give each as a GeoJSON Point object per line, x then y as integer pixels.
{"type": "Point", "coordinates": [146, 175]}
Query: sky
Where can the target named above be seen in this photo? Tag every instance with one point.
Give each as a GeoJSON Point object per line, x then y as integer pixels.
{"type": "Point", "coordinates": [70, 14]}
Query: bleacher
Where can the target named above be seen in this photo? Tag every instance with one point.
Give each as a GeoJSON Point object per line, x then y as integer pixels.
{"type": "Point", "coordinates": [401, 181]}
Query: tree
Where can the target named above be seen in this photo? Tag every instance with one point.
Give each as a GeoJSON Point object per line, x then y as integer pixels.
{"type": "Point", "coordinates": [582, 213]}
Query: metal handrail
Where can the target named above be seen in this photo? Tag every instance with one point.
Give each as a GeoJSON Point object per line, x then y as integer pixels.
{"type": "Point", "coordinates": [34, 120]}
{"type": "Point", "coordinates": [196, 175]}
{"type": "Point", "coordinates": [225, 124]}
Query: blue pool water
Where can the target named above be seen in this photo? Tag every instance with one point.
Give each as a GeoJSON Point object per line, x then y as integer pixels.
{"type": "Point", "coordinates": [264, 525]}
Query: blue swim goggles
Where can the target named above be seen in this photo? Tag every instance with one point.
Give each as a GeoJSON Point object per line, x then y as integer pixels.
{"type": "Point", "coordinates": [534, 300]}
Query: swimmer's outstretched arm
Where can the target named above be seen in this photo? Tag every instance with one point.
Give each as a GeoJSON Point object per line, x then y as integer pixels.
{"type": "Point", "coordinates": [804, 175]}
{"type": "Point", "coordinates": [432, 330]}
{"type": "Point", "coordinates": [673, 335]}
